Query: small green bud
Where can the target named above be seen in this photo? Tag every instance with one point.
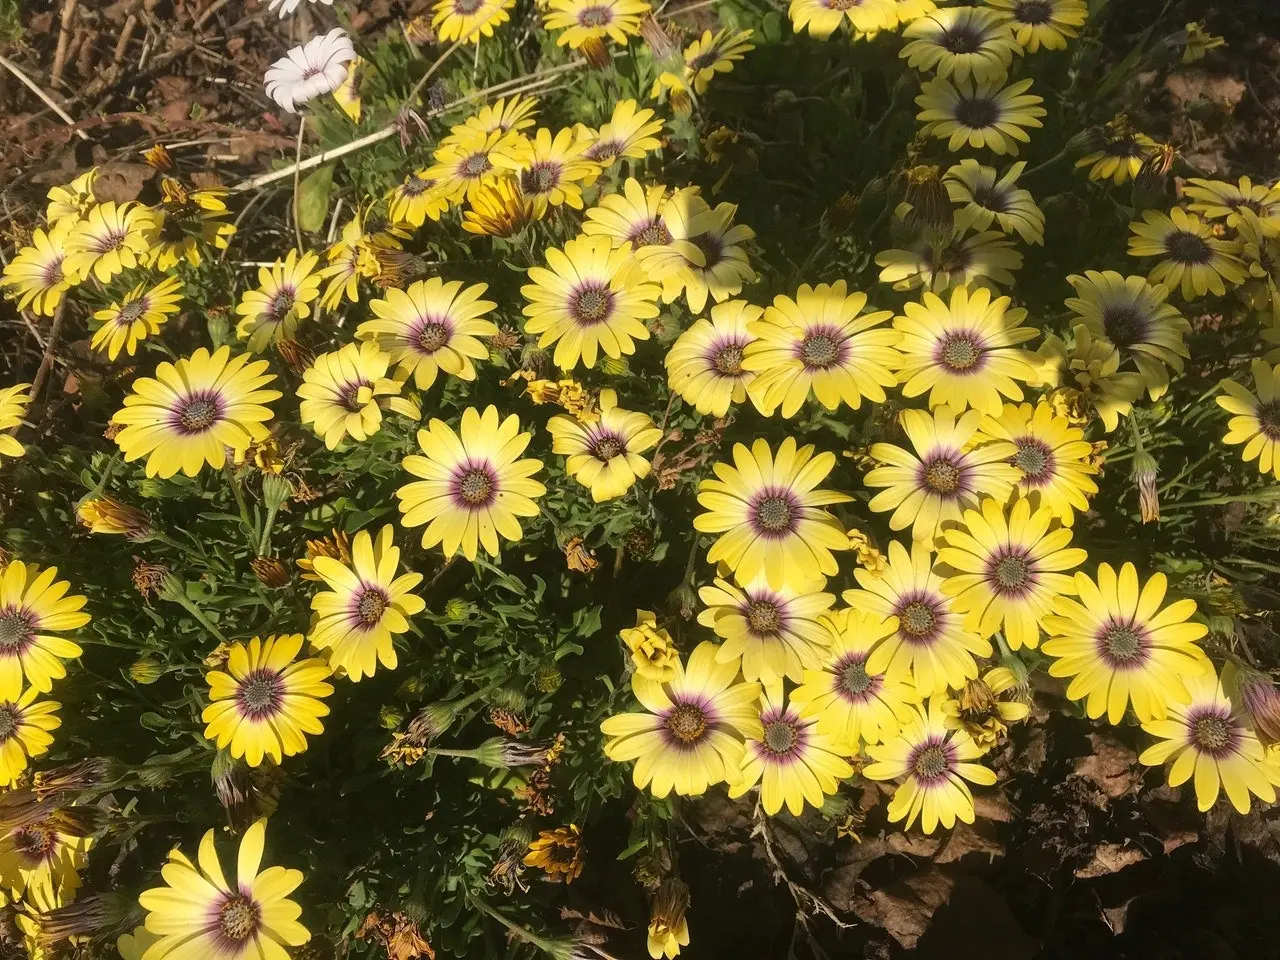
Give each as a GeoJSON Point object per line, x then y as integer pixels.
{"type": "Point", "coordinates": [151, 488]}
{"type": "Point", "coordinates": [547, 678]}
{"type": "Point", "coordinates": [508, 698]}
{"type": "Point", "coordinates": [457, 609]}
{"type": "Point", "coordinates": [145, 671]}
{"type": "Point", "coordinates": [277, 490]}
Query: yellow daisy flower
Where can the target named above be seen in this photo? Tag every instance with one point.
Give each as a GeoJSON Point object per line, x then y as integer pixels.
{"type": "Point", "coordinates": [909, 11]}
{"type": "Point", "coordinates": [1232, 202]}
{"type": "Point", "coordinates": [1120, 645]}
{"type": "Point", "coordinates": [25, 725]}
{"type": "Point", "coordinates": [1052, 456]}
{"type": "Point", "coordinates": [705, 364]}
{"type": "Point", "coordinates": [416, 199]}
{"type": "Point", "coordinates": [558, 853]}
{"type": "Point", "coordinates": [1042, 23]}
{"type": "Point", "coordinates": [72, 200]}
{"type": "Point", "coordinates": [365, 606]}
{"type": "Point", "coordinates": [653, 652]}
{"type": "Point", "coordinates": [933, 764]}
{"type": "Point", "coordinates": [631, 131]}
{"type": "Point", "coordinates": [961, 42]}
{"type": "Point", "coordinates": [776, 633]}
{"type": "Point", "coordinates": [982, 709]}
{"type": "Point", "coordinates": [714, 53]}
{"type": "Point", "coordinates": [944, 473]}
{"type": "Point", "coordinates": [272, 312]}
{"type": "Point", "coordinates": [705, 256]}
{"type": "Point", "coordinates": [266, 701]}
{"type": "Point", "coordinates": [1255, 418]}
{"type": "Point", "coordinates": [551, 170]}
{"type": "Point", "coordinates": [823, 17]}
{"type": "Point", "coordinates": [794, 763]}
{"type": "Point", "coordinates": [41, 860]}
{"type": "Point", "coordinates": [194, 410]}
{"type": "Point", "coordinates": [584, 24]}
{"type": "Point", "coordinates": [852, 705]}
{"type": "Point", "coordinates": [38, 275]}
{"type": "Point", "coordinates": [468, 161]}
{"type": "Point", "coordinates": [984, 197]}
{"type": "Point", "coordinates": [134, 945]}
{"type": "Point", "coordinates": [1132, 314]}
{"type": "Point", "coordinates": [498, 210]}
{"type": "Point", "coordinates": [197, 913]}
{"type": "Point", "coordinates": [982, 113]}
{"type": "Point", "coordinates": [184, 221]}
{"type": "Point", "coordinates": [1120, 154]}
{"type": "Point", "coordinates": [604, 456]}
{"type": "Point", "coordinates": [821, 343]}
{"type": "Point", "coordinates": [633, 216]}
{"type": "Point", "coordinates": [930, 647]}
{"type": "Point", "coordinates": [140, 314]}
{"type": "Point", "coordinates": [1090, 373]}
{"type": "Point", "coordinates": [692, 735]}
{"type": "Point", "coordinates": [964, 353]}
{"type": "Point", "coordinates": [1213, 739]}
{"type": "Point", "coordinates": [1006, 571]}
{"type": "Point", "coordinates": [590, 298]}
{"type": "Point", "coordinates": [1192, 255]}
{"type": "Point", "coordinates": [769, 514]}
{"type": "Point", "coordinates": [13, 407]}
{"type": "Point", "coordinates": [432, 326]}
{"type": "Point", "coordinates": [34, 607]}
{"type": "Point", "coordinates": [110, 239]}
{"type": "Point", "coordinates": [505, 114]}
{"type": "Point", "coordinates": [473, 487]}
{"type": "Point", "coordinates": [469, 20]}
{"type": "Point", "coordinates": [975, 259]}
{"type": "Point", "coordinates": [353, 257]}
{"type": "Point", "coordinates": [340, 391]}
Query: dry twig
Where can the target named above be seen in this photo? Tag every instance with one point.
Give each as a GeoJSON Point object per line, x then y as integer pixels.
{"type": "Point", "coordinates": [44, 97]}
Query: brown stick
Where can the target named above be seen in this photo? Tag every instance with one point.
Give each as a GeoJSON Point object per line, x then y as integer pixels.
{"type": "Point", "coordinates": [47, 100]}
{"type": "Point", "coordinates": [64, 37]}
{"type": "Point", "coordinates": [46, 362]}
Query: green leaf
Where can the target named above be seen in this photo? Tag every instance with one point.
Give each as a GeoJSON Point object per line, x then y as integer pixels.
{"type": "Point", "coordinates": [313, 199]}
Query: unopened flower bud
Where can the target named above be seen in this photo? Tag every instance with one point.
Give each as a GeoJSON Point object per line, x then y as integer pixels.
{"type": "Point", "coordinates": [105, 913]}
{"type": "Point", "coordinates": [270, 571]}
{"type": "Point", "coordinates": [297, 356]}
{"type": "Point", "coordinates": [277, 490]}
{"type": "Point", "coordinates": [145, 671]}
{"type": "Point", "coordinates": [390, 717]}
{"type": "Point", "coordinates": [219, 326]}
{"type": "Point", "coordinates": [500, 752]}
{"type": "Point", "coordinates": [457, 609]}
{"type": "Point", "coordinates": [838, 216]}
{"type": "Point", "coordinates": [547, 678]}
{"type": "Point", "coordinates": [232, 785]}
{"type": "Point", "coordinates": [596, 53]}
{"type": "Point", "coordinates": [109, 515]}
{"type": "Point", "coordinates": [1144, 477]}
{"type": "Point", "coordinates": [430, 722]}
{"type": "Point", "coordinates": [1258, 695]}
{"type": "Point", "coordinates": [508, 698]}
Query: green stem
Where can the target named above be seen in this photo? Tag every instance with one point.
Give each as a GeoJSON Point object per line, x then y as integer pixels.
{"type": "Point", "coordinates": [106, 476]}
{"type": "Point", "coordinates": [448, 752]}
{"type": "Point", "coordinates": [265, 543]}
{"type": "Point", "coordinates": [191, 608]}
{"type": "Point", "coordinates": [230, 474]}
{"type": "Point", "coordinates": [524, 933]}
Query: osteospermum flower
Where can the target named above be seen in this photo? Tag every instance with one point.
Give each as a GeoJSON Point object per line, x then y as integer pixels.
{"type": "Point", "coordinates": [25, 725]}
{"type": "Point", "coordinates": [1255, 419]}
{"type": "Point", "coordinates": [821, 343]}
{"type": "Point", "coordinates": [822, 17]}
{"type": "Point", "coordinates": [72, 200]}
{"type": "Point", "coordinates": [633, 216]}
{"type": "Point", "coordinates": [414, 200]}
{"type": "Point", "coordinates": [604, 456]}
{"type": "Point", "coordinates": [714, 53]}
{"type": "Point", "coordinates": [964, 353]}
{"type": "Point", "coordinates": [37, 275]}
{"type": "Point", "coordinates": [185, 220]}
{"type": "Point", "coordinates": [198, 913]}
{"type": "Point", "coordinates": [365, 606]}
{"type": "Point", "coordinates": [340, 392]}
{"type": "Point", "coordinates": [769, 514]}
{"type": "Point", "coordinates": [1191, 254]}
{"type": "Point", "coordinates": [705, 256]}
{"type": "Point", "coordinates": [1052, 456]}
{"type": "Point", "coordinates": [653, 652]}
{"type": "Point", "coordinates": [705, 366]}
{"type": "Point", "coordinates": [34, 608]}
{"type": "Point", "coordinates": [195, 410]}
{"type": "Point", "coordinates": [985, 706]}
{"type": "Point", "coordinates": [961, 42]}
{"type": "Point", "coordinates": [112, 237]}
{"type": "Point", "coordinates": [1214, 740]}
{"type": "Point", "coordinates": [590, 298]}
{"type": "Point", "coordinates": [792, 760]}
{"type": "Point", "coordinates": [498, 210]}
{"type": "Point", "coordinates": [433, 326]}
{"type": "Point", "coordinates": [852, 705]}
{"type": "Point", "coordinates": [473, 487]}
{"type": "Point", "coordinates": [982, 113]}
{"type": "Point", "coordinates": [775, 633]}
{"type": "Point", "coordinates": [692, 735]}
{"type": "Point", "coordinates": [933, 764]}
{"type": "Point", "coordinates": [1133, 314]}
{"type": "Point", "coordinates": [942, 475]}
{"type": "Point", "coordinates": [1091, 374]}
{"type": "Point", "coordinates": [1120, 154]}
{"type": "Point", "coordinates": [469, 20]}
{"type": "Point", "coordinates": [1242, 205]}
{"type": "Point", "coordinates": [584, 24]}
{"type": "Point", "coordinates": [1006, 570]}
{"type": "Point", "coordinates": [312, 70]}
{"type": "Point", "coordinates": [909, 11]}
{"type": "Point", "coordinates": [505, 114]}
{"type": "Point", "coordinates": [467, 162]}
{"type": "Point", "coordinates": [138, 315]}
{"type": "Point", "coordinates": [975, 259]}
{"type": "Point", "coordinates": [931, 649]}
{"type": "Point", "coordinates": [1042, 23]}
{"type": "Point", "coordinates": [630, 132]}
{"type": "Point", "coordinates": [551, 169]}
{"type": "Point", "coordinates": [984, 197]}
{"type": "Point", "coordinates": [558, 853]}
{"type": "Point", "coordinates": [13, 407]}
{"type": "Point", "coordinates": [266, 700]}
{"type": "Point", "coordinates": [41, 860]}
{"type": "Point", "coordinates": [271, 313]}
{"type": "Point", "coordinates": [1120, 645]}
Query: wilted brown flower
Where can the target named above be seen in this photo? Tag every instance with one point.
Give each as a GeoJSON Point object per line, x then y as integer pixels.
{"type": "Point", "coordinates": [419, 31]}
{"type": "Point", "coordinates": [558, 853]}
{"type": "Point", "coordinates": [112, 431]}
{"type": "Point", "coordinates": [336, 546]}
{"type": "Point", "coordinates": [508, 722]}
{"type": "Point", "coordinates": [148, 578]}
{"type": "Point", "coordinates": [218, 657]}
{"type": "Point", "coordinates": [578, 557]}
{"type": "Point", "coordinates": [76, 777]}
{"type": "Point", "coordinates": [395, 267]}
{"type": "Point", "coordinates": [296, 355]}
{"type": "Point", "coordinates": [505, 339]}
{"type": "Point", "coordinates": [265, 456]}
{"type": "Point", "coordinates": [270, 571]}
{"type": "Point", "coordinates": [668, 928]}
{"type": "Point", "coordinates": [398, 934]}
{"type": "Point", "coordinates": [535, 794]}
{"type": "Point", "coordinates": [838, 216]}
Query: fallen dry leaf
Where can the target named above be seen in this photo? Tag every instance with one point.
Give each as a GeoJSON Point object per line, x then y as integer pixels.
{"type": "Point", "coordinates": [1109, 858]}
{"type": "Point", "coordinates": [1110, 766]}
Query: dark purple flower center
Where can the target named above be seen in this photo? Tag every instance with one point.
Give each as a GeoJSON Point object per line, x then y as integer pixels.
{"type": "Point", "coordinates": [591, 304]}
{"type": "Point", "coordinates": [781, 737]}
{"type": "Point", "coordinates": [1034, 459]}
{"type": "Point", "coordinates": [349, 396]}
{"type": "Point", "coordinates": [943, 476]}
{"type": "Point", "coordinates": [415, 186]}
{"type": "Point", "coordinates": [712, 248]}
{"type": "Point", "coordinates": [1033, 12]}
{"type": "Point", "coordinates": [775, 513]}
{"type": "Point", "coordinates": [238, 918]}
{"type": "Point", "coordinates": [1124, 324]}
{"type": "Point", "coordinates": [687, 723]}
{"type": "Point", "coordinates": [131, 311]}
{"type": "Point", "coordinates": [1213, 734]}
{"type": "Point", "coordinates": [1011, 572]}
{"type": "Point", "coordinates": [10, 720]}
{"type": "Point", "coordinates": [930, 762]}
{"type": "Point", "coordinates": [475, 165]}
{"type": "Point", "coordinates": [1269, 419]}
{"type": "Point", "coordinates": [1187, 248]}
{"type": "Point", "coordinates": [476, 487]}
{"type": "Point", "coordinates": [819, 350]}
{"type": "Point", "coordinates": [370, 606]}
{"type": "Point", "coordinates": [961, 38]}
{"type": "Point", "coordinates": [852, 679]}
{"type": "Point", "coordinates": [1124, 645]}
{"type": "Point", "coordinates": [280, 305]}
{"type": "Point", "coordinates": [727, 360]}
{"type": "Point", "coordinates": [432, 335]}
{"type": "Point", "coordinates": [541, 177]}
{"type": "Point", "coordinates": [960, 352]}
{"type": "Point", "coordinates": [198, 414]}
{"type": "Point", "coordinates": [606, 446]}
{"type": "Point", "coordinates": [988, 197]}
{"type": "Point", "coordinates": [595, 16]}
{"type": "Point", "coordinates": [655, 232]}
{"type": "Point", "coordinates": [260, 694]}
{"type": "Point", "coordinates": [977, 113]}
{"type": "Point", "coordinates": [17, 631]}
{"type": "Point", "coordinates": [764, 617]}
{"type": "Point", "coordinates": [918, 620]}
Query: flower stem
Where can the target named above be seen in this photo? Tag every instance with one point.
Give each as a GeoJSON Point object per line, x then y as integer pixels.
{"type": "Point", "coordinates": [448, 752]}
{"type": "Point", "coordinates": [265, 543]}
{"type": "Point", "coordinates": [297, 176]}
{"type": "Point", "coordinates": [230, 474]}
{"type": "Point", "coordinates": [524, 933]}
{"type": "Point", "coordinates": [191, 608]}
{"type": "Point", "coordinates": [109, 469]}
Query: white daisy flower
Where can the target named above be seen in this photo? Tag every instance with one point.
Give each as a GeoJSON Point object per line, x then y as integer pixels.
{"type": "Point", "coordinates": [317, 67]}
{"type": "Point", "coordinates": [291, 5]}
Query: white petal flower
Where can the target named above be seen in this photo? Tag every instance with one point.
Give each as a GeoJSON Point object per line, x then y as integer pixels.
{"type": "Point", "coordinates": [311, 70]}
{"type": "Point", "coordinates": [292, 5]}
